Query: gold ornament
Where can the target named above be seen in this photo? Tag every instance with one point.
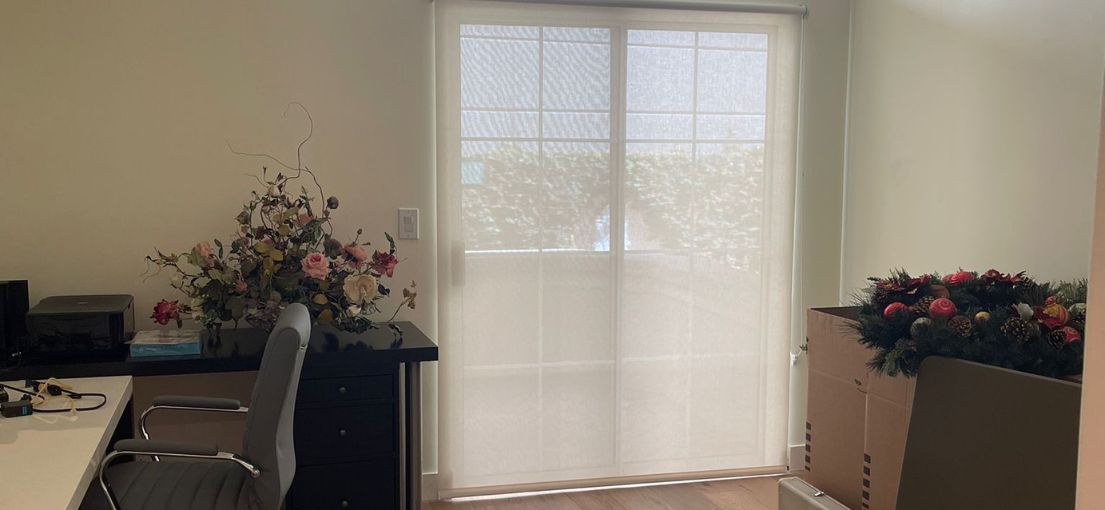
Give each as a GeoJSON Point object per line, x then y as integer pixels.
{"type": "Point", "coordinates": [982, 317]}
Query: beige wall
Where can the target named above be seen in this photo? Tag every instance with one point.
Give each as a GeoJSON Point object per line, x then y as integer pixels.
{"type": "Point", "coordinates": [1091, 441]}
{"type": "Point", "coordinates": [820, 179]}
{"type": "Point", "coordinates": [114, 119]}
{"type": "Point", "coordinates": [973, 136]}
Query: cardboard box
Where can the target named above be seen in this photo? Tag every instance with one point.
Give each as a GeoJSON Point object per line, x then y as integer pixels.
{"type": "Point", "coordinates": [836, 406]}
{"type": "Point", "coordinates": [856, 420]}
{"type": "Point", "coordinates": [886, 422]}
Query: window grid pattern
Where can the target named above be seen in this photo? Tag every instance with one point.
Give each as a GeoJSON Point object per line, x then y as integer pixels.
{"type": "Point", "coordinates": [611, 321]}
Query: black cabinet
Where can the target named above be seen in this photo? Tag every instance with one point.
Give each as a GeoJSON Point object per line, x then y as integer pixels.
{"type": "Point", "coordinates": [347, 441]}
{"type": "Point", "coordinates": [368, 485]}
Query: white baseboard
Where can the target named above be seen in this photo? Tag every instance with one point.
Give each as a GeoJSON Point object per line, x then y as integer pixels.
{"type": "Point", "coordinates": [796, 454]}
{"type": "Point", "coordinates": [429, 487]}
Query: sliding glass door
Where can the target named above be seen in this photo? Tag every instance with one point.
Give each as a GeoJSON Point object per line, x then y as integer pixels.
{"type": "Point", "coordinates": [616, 210]}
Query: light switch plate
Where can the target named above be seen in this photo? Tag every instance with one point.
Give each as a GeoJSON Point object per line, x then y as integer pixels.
{"type": "Point", "coordinates": [408, 223]}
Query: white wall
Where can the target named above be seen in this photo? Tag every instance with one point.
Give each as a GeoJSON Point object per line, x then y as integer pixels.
{"type": "Point", "coordinates": [820, 178]}
{"type": "Point", "coordinates": [973, 136]}
{"type": "Point", "coordinates": [114, 118]}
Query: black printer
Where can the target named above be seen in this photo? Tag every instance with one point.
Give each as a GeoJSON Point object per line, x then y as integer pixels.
{"type": "Point", "coordinates": [80, 327]}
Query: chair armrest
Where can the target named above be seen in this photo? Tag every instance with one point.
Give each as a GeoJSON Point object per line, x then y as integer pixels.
{"type": "Point", "coordinates": [142, 446]}
{"type": "Point", "coordinates": [187, 403]}
{"type": "Point", "coordinates": [175, 449]}
{"type": "Point", "coordinates": [212, 403]}
{"type": "Point", "coordinates": [166, 449]}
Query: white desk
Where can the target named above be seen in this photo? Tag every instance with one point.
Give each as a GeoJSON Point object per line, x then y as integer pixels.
{"type": "Point", "coordinates": [50, 460]}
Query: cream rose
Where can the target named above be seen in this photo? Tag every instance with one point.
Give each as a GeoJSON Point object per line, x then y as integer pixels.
{"type": "Point", "coordinates": [360, 288]}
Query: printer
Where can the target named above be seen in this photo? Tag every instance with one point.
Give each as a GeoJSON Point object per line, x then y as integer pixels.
{"type": "Point", "coordinates": [80, 327]}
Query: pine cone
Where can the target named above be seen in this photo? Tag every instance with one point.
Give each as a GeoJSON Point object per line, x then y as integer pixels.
{"type": "Point", "coordinates": [1018, 329]}
{"type": "Point", "coordinates": [921, 308]}
{"type": "Point", "coordinates": [1057, 339]}
{"type": "Point", "coordinates": [961, 325]}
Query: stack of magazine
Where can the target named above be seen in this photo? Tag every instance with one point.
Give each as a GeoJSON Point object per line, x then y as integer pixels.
{"type": "Point", "coordinates": [166, 342]}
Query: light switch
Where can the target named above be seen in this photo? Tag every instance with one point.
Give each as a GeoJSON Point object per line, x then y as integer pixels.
{"type": "Point", "coordinates": [408, 223]}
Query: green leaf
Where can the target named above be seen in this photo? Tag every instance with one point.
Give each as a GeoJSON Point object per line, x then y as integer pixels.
{"type": "Point", "coordinates": [391, 242]}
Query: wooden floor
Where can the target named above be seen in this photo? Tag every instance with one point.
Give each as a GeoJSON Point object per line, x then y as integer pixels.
{"type": "Point", "coordinates": [742, 494]}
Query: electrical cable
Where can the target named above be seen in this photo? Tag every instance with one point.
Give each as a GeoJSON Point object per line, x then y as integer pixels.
{"type": "Point", "coordinates": [55, 390]}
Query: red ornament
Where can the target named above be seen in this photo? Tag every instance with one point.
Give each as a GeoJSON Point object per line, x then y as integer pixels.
{"type": "Point", "coordinates": [942, 308]}
{"type": "Point", "coordinates": [1054, 315]}
{"type": "Point", "coordinates": [1072, 335]}
{"type": "Point", "coordinates": [894, 309]}
{"type": "Point", "coordinates": [959, 277]}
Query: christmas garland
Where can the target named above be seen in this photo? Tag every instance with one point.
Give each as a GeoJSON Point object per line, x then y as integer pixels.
{"type": "Point", "coordinates": [1007, 320]}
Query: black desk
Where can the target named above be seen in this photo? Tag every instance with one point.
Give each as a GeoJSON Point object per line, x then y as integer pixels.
{"type": "Point", "coordinates": [361, 385]}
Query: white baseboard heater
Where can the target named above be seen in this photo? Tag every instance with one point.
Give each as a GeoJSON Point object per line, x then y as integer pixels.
{"type": "Point", "coordinates": [796, 494]}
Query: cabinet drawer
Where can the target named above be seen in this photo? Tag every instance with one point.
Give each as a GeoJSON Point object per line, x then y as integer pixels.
{"type": "Point", "coordinates": [359, 485]}
{"type": "Point", "coordinates": [345, 433]}
{"type": "Point", "coordinates": [347, 389]}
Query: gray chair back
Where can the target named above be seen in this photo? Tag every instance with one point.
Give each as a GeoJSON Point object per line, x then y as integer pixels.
{"type": "Point", "coordinates": [268, 438]}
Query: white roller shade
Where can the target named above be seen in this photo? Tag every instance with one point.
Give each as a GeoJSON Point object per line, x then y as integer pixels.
{"type": "Point", "coordinates": [616, 210]}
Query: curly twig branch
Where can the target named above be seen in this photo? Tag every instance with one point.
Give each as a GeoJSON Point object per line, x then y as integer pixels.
{"type": "Point", "coordinates": [299, 168]}
{"type": "Point", "coordinates": [259, 155]}
{"type": "Point", "coordinates": [310, 131]}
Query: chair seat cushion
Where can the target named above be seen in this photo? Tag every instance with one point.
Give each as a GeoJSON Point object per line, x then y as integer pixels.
{"type": "Point", "coordinates": [170, 485]}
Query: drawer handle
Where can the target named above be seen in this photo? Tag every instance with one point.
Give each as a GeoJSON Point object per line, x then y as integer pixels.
{"type": "Point", "coordinates": [341, 432]}
{"type": "Point", "coordinates": [342, 390]}
{"type": "Point", "coordinates": [344, 504]}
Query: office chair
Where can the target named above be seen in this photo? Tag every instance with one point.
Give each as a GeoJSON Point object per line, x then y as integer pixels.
{"type": "Point", "coordinates": [210, 479]}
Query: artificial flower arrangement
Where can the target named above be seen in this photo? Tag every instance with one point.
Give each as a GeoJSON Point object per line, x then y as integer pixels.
{"type": "Point", "coordinates": [1007, 320]}
{"type": "Point", "coordinates": [283, 252]}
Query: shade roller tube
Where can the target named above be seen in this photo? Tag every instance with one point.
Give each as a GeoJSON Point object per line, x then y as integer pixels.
{"type": "Point", "coordinates": [691, 5]}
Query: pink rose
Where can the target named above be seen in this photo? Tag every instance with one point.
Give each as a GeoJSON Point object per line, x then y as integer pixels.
{"type": "Point", "coordinates": [204, 251]}
{"type": "Point", "coordinates": [357, 254]}
{"type": "Point", "coordinates": [240, 287]}
{"type": "Point", "coordinates": [165, 311]}
{"type": "Point", "coordinates": [303, 219]}
{"type": "Point", "coordinates": [315, 265]}
{"type": "Point", "coordinates": [959, 277]}
{"type": "Point", "coordinates": [942, 308]}
{"type": "Point", "coordinates": [384, 263]}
